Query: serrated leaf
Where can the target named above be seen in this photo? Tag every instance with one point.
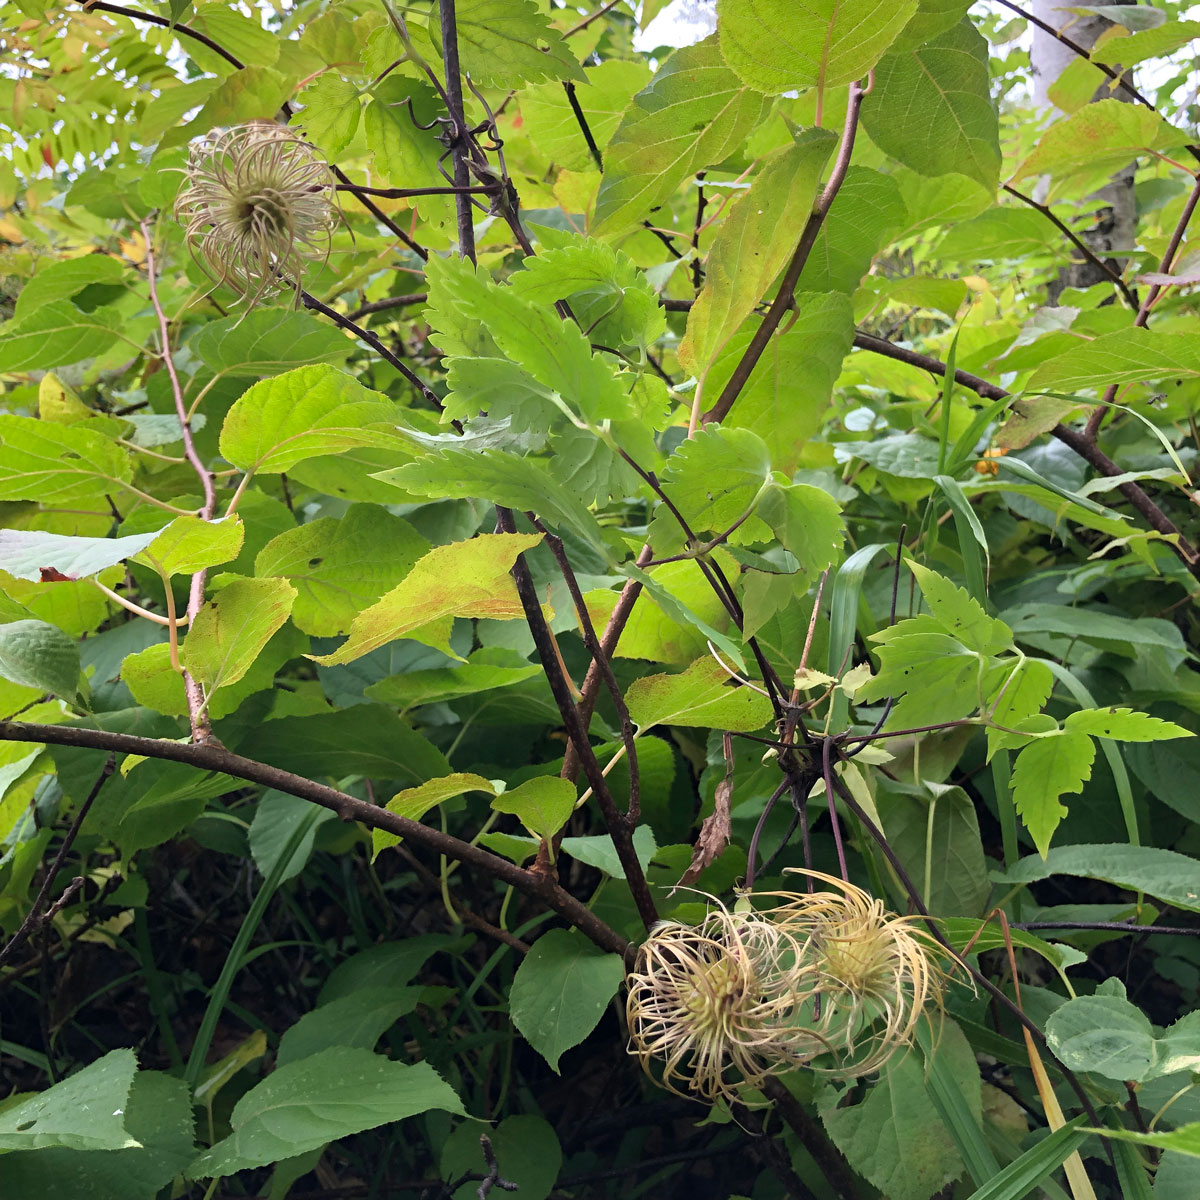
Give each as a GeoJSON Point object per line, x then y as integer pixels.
{"type": "Point", "coordinates": [38, 655]}
{"type": "Point", "coordinates": [931, 107]}
{"type": "Point", "coordinates": [551, 123]}
{"type": "Point", "coordinates": [26, 553]}
{"type": "Point", "coordinates": [83, 1112]}
{"type": "Point", "coordinates": [63, 279]}
{"type": "Point", "coordinates": [1127, 356]}
{"type": "Point", "coordinates": [56, 334]}
{"type": "Point", "coordinates": [609, 296]}
{"type": "Point", "coordinates": [693, 113]}
{"type": "Point", "coordinates": [330, 1095]}
{"type": "Point", "coordinates": [330, 112]}
{"type": "Point", "coordinates": [266, 341]}
{"type": "Point", "coordinates": [542, 804]}
{"type": "Point", "coordinates": [960, 614]}
{"type": "Point", "coordinates": [304, 413]}
{"type": "Point", "coordinates": [507, 43]}
{"type": "Point", "coordinates": [753, 244]}
{"type": "Point", "coordinates": [560, 992]}
{"type": "Point", "coordinates": [339, 566]}
{"type": "Point", "coordinates": [462, 579]}
{"type": "Point", "coordinates": [1021, 694]}
{"type": "Point", "coordinates": [191, 544]}
{"type": "Point", "coordinates": [703, 696]}
{"type": "Point", "coordinates": [232, 629]}
{"type": "Point", "coordinates": [1168, 37]}
{"type": "Point", "coordinates": [415, 802]}
{"type": "Point", "coordinates": [404, 154]}
{"type": "Point", "coordinates": [1043, 772]}
{"type": "Point", "coordinates": [777, 45]}
{"type": "Point", "coordinates": [58, 464]}
{"type": "Point", "coordinates": [243, 36]}
{"type": "Point", "coordinates": [1098, 140]}
{"type": "Point", "coordinates": [1124, 725]}
{"type": "Point", "coordinates": [808, 523]}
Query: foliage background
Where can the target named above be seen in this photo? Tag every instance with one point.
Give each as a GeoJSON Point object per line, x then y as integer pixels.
{"type": "Point", "coordinates": [211, 985]}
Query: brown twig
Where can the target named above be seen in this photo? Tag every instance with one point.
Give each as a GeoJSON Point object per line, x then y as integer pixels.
{"type": "Point", "coordinates": [458, 132]}
{"type": "Point", "coordinates": [1088, 253]}
{"type": "Point", "coordinates": [211, 757]}
{"type": "Point", "coordinates": [808, 237]}
{"type": "Point", "coordinates": [36, 918]}
{"type": "Point", "coordinates": [198, 718]}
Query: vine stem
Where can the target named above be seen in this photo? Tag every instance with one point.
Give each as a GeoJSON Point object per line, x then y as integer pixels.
{"type": "Point", "coordinates": [454, 102]}
{"type": "Point", "coordinates": [198, 718]}
{"type": "Point", "coordinates": [213, 757]}
{"type": "Point", "coordinates": [808, 237]}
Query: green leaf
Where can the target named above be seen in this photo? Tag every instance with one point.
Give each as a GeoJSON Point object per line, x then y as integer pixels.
{"type": "Point", "coordinates": [560, 992]}
{"type": "Point", "coordinates": [404, 154]}
{"type": "Point", "coordinates": [867, 211]}
{"type": "Point", "coordinates": [86, 1111]}
{"type": "Point", "coordinates": [703, 696]}
{"type": "Point", "coordinates": [541, 804]}
{"type": "Point", "coordinates": [26, 553]}
{"type": "Point", "coordinates": [931, 107]}
{"type": "Point", "coordinates": [191, 544]}
{"type": "Point", "coordinates": [1184, 1140]}
{"type": "Point", "coordinates": [339, 566]}
{"type": "Point", "coordinates": [1127, 356]}
{"type": "Point", "coordinates": [1111, 1037]}
{"type": "Point", "coordinates": [552, 125]}
{"type": "Point", "coordinates": [58, 464]}
{"type": "Point", "coordinates": [65, 278]}
{"type": "Point", "coordinates": [1110, 631]}
{"type": "Point", "coordinates": [1098, 140]}
{"type": "Point", "coordinates": [1044, 771]}
{"type": "Point", "coordinates": [365, 739]}
{"type": "Point", "coordinates": [527, 1146]}
{"type": "Point", "coordinates": [1024, 1174]}
{"type": "Point", "coordinates": [266, 341]}
{"type": "Point", "coordinates": [232, 629]}
{"type": "Point", "coordinates": [1164, 874]}
{"type": "Point", "coordinates": [277, 817]}
{"type": "Point", "coordinates": [251, 94]}
{"type": "Point", "coordinates": [1146, 43]}
{"type": "Point", "coordinates": [330, 1095]}
{"type": "Point", "coordinates": [694, 113]}
{"type": "Point", "coordinates": [775, 45]}
{"type": "Point", "coordinates": [713, 479]}
{"type": "Point", "coordinates": [894, 1138]}
{"type": "Point", "coordinates": [485, 670]}
{"type": "Point", "coordinates": [753, 244]}
{"type": "Point", "coordinates": [788, 392]}
{"type": "Point", "coordinates": [303, 413]}
{"type": "Point", "coordinates": [959, 614]}
{"type": "Point", "coordinates": [35, 654]}
{"type": "Point", "coordinates": [502, 478]}
{"type": "Point", "coordinates": [330, 112]}
{"type": "Point", "coordinates": [598, 851]}
{"type": "Point", "coordinates": [158, 1115]}
{"type": "Point", "coordinates": [808, 523]}
{"type": "Point", "coordinates": [462, 579]}
{"type": "Point", "coordinates": [242, 36]}
{"type": "Point", "coordinates": [414, 803]}
{"type": "Point", "coordinates": [507, 43]}
{"type": "Point", "coordinates": [358, 1020]}
{"type": "Point", "coordinates": [1124, 725]}
{"type": "Point", "coordinates": [609, 296]}
{"type": "Point", "coordinates": [56, 334]}
{"type": "Point", "coordinates": [1020, 695]}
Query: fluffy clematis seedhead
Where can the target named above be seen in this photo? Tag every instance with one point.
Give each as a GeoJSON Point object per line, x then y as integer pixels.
{"type": "Point", "coordinates": [717, 1006]}
{"type": "Point", "coordinates": [257, 203]}
{"type": "Point", "coordinates": [871, 974]}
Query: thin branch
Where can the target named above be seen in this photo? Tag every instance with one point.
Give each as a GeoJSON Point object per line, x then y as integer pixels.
{"type": "Point", "coordinates": [1076, 439]}
{"type": "Point", "coordinates": [619, 829]}
{"type": "Point", "coordinates": [581, 25]}
{"type": "Point", "coordinates": [1096, 419]}
{"type": "Point", "coordinates": [808, 237]}
{"type": "Point", "coordinates": [458, 132]}
{"type": "Point", "coordinates": [349, 808]}
{"type": "Point", "coordinates": [1088, 253]}
{"type": "Point", "coordinates": [1118, 77]}
{"type": "Point", "coordinates": [1113, 926]}
{"type": "Point", "coordinates": [391, 193]}
{"type": "Point", "coordinates": [582, 122]}
{"type": "Point", "coordinates": [388, 302]}
{"type": "Point", "coordinates": [36, 917]}
{"type": "Point", "coordinates": [198, 718]}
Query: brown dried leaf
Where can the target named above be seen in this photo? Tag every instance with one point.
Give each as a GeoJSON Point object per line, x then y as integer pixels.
{"type": "Point", "coordinates": [714, 834]}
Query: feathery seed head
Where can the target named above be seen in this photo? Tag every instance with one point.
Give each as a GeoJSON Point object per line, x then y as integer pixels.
{"type": "Point", "coordinates": [258, 202]}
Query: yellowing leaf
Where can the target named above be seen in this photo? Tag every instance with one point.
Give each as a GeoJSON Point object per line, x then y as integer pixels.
{"type": "Point", "coordinates": [463, 579]}
{"type": "Point", "coordinates": [703, 696]}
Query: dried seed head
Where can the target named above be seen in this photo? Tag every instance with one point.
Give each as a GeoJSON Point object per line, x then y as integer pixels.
{"type": "Point", "coordinates": [717, 1005]}
{"type": "Point", "coordinates": [258, 202]}
{"type": "Point", "coordinates": [874, 973]}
